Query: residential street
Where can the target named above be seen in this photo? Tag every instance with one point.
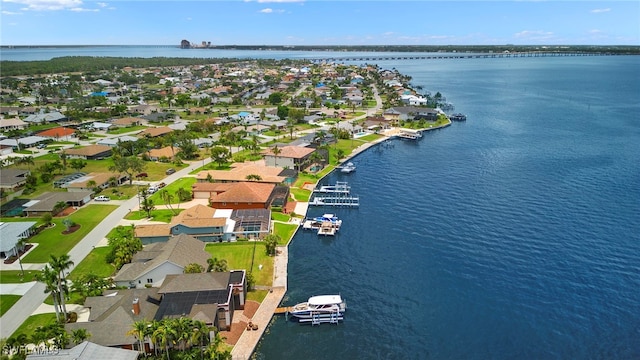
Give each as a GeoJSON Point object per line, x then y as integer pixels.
{"type": "Point", "coordinates": [34, 296]}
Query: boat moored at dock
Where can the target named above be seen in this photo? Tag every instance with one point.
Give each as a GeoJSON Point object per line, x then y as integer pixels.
{"type": "Point", "coordinates": [458, 117]}
{"type": "Point", "coordinates": [327, 224]}
{"type": "Point", "coordinates": [320, 309]}
{"type": "Point", "coordinates": [348, 168]}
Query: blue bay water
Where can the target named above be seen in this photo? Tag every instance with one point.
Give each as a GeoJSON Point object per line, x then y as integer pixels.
{"type": "Point", "coordinates": [513, 235]}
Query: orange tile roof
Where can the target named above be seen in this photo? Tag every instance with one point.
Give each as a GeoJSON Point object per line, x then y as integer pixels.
{"type": "Point", "coordinates": [126, 121]}
{"type": "Point", "coordinates": [295, 152]}
{"type": "Point", "coordinates": [245, 192]}
{"type": "Point", "coordinates": [57, 132]}
{"type": "Point", "coordinates": [198, 216]}
{"type": "Point", "coordinates": [239, 172]}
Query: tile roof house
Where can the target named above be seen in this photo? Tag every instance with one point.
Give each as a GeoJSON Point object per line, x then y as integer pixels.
{"type": "Point", "coordinates": [294, 157]}
{"type": "Point", "coordinates": [199, 221]}
{"type": "Point", "coordinates": [101, 180]}
{"type": "Point", "coordinates": [239, 195]}
{"type": "Point", "coordinates": [124, 122]}
{"type": "Point", "coordinates": [113, 314]}
{"type": "Point", "coordinates": [157, 260]}
{"type": "Point", "coordinates": [240, 171]}
{"type": "Point", "coordinates": [90, 152]}
{"type": "Point", "coordinates": [57, 133]}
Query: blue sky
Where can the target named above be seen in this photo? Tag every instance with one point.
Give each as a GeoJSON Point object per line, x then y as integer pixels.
{"type": "Point", "coordinates": [319, 22]}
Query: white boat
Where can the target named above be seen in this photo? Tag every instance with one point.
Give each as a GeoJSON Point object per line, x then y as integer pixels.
{"type": "Point", "coordinates": [320, 309]}
{"type": "Point", "coordinates": [327, 224]}
{"type": "Point", "coordinates": [348, 168]}
{"type": "Point", "coordinates": [340, 187]}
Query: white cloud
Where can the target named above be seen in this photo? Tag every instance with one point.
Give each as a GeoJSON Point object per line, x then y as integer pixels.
{"type": "Point", "coordinates": [598, 11]}
{"type": "Point", "coordinates": [101, 4]}
{"type": "Point", "coordinates": [48, 5]}
{"type": "Point", "coordinates": [278, 1]}
{"type": "Point", "coordinates": [78, 9]}
{"type": "Point", "coordinates": [270, 11]}
{"type": "Point", "coordinates": [4, 12]}
{"type": "Point", "coordinates": [533, 34]}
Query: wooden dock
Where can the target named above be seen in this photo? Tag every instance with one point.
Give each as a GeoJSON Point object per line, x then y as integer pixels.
{"type": "Point", "coordinates": [283, 310]}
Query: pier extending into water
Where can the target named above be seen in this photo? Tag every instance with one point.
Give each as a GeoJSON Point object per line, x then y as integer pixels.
{"type": "Point", "coordinates": [452, 56]}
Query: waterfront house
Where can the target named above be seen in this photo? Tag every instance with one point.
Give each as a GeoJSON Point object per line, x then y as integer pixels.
{"type": "Point", "coordinates": [112, 315]}
{"type": "Point", "coordinates": [211, 297]}
{"type": "Point", "coordinates": [238, 195]}
{"type": "Point", "coordinates": [113, 142]}
{"type": "Point", "coordinates": [44, 118]}
{"type": "Point", "coordinates": [294, 157]}
{"type": "Point", "coordinates": [152, 264]}
{"type": "Point", "coordinates": [87, 351]}
{"type": "Point", "coordinates": [239, 173]}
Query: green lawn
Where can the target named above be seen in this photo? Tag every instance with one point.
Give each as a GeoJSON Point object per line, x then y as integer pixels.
{"type": "Point", "coordinates": [7, 301]}
{"type": "Point", "coordinates": [184, 183]}
{"type": "Point", "coordinates": [278, 216]}
{"type": "Point", "coordinates": [285, 231]}
{"type": "Point", "coordinates": [163, 215]}
{"type": "Point", "coordinates": [301, 194]}
{"type": "Point", "coordinates": [95, 263]}
{"type": "Point", "coordinates": [15, 277]}
{"type": "Point", "coordinates": [238, 256]}
{"type": "Point", "coordinates": [257, 295]}
{"type": "Point", "coordinates": [33, 322]}
{"type": "Point", "coordinates": [52, 242]}
{"type": "Point", "coordinates": [126, 129]}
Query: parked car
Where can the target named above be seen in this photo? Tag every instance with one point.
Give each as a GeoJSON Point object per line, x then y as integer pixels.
{"type": "Point", "coordinates": [41, 146]}
{"type": "Point", "coordinates": [170, 171]}
{"type": "Point", "coordinates": [142, 175]}
{"type": "Point", "coordinates": [102, 198]}
{"type": "Point", "coordinates": [152, 189]}
{"type": "Point", "coordinates": [161, 185]}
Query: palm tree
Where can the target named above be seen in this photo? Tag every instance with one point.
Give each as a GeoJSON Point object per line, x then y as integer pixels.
{"type": "Point", "coordinates": [167, 198]}
{"type": "Point", "coordinates": [80, 335]}
{"type": "Point", "coordinates": [19, 247]}
{"type": "Point", "coordinates": [216, 265]}
{"type": "Point", "coordinates": [139, 330]}
{"type": "Point", "coordinates": [253, 177]}
{"type": "Point", "coordinates": [276, 151]}
{"type": "Point", "coordinates": [49, 277]}
{"type": "Point", "coordinates": [165, 335]}
{"type": "Point", "coordinates": [60, 265]}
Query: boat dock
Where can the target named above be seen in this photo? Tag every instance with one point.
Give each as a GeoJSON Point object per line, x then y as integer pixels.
{"type": "Point", "coordinates": [283, 310]}
{"type": "Point", "coordinates": [347, 201]}
{"type": "Point", "coordinates": [334, 195]}
{"type": "Point", "coordinates": [341, 187]}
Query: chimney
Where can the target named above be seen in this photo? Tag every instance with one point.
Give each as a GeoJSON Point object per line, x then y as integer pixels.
{"type": "Point", "coordinates": [136, 306]}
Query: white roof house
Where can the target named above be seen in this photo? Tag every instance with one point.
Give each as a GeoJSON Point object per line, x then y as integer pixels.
{"type": "Point", "coordinates": [12, 232]}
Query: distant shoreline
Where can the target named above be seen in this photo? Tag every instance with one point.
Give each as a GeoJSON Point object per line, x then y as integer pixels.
{"type": "Point", "coordinates": [614, 49]}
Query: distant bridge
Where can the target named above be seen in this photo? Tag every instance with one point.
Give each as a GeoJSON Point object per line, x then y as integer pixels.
{"type": "Point", "coordinates": [448, 56]}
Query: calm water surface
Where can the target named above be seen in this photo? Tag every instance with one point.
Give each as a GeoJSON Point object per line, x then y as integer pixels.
{"type": "Point", "coordinates": [513, 235]}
